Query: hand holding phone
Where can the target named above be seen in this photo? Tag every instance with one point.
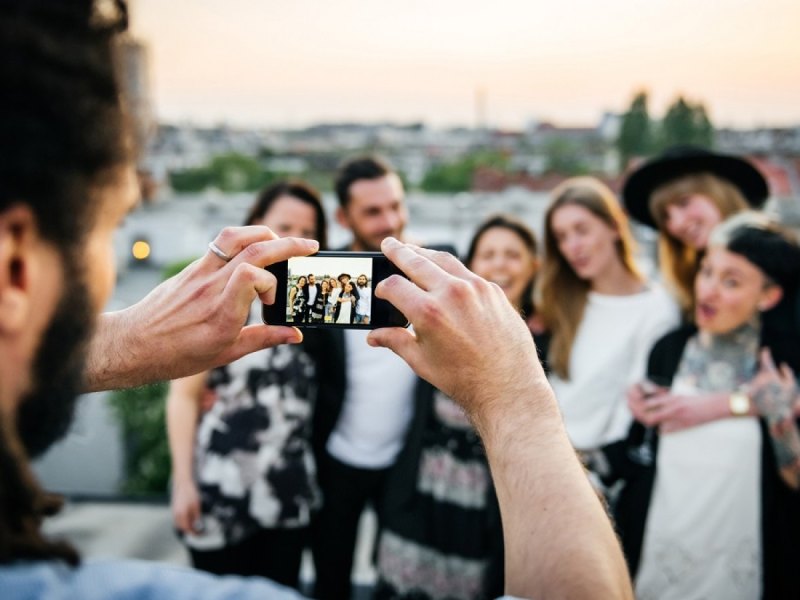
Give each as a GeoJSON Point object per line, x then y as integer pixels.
{"type": "Point", "coordinates": [333, 290]}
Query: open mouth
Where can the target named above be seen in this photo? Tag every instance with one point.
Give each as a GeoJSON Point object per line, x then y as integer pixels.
{"type": "Point", "coordinates": [705, 312]}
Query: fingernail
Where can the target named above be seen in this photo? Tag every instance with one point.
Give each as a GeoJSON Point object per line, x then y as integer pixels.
{"type": "Point", "coordinates": [391, 242]}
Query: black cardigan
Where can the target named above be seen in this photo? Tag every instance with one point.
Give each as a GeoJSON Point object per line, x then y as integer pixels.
{"type": "Point", "coordinates": [398, 510]}
{"type": "Point", "coordinates": [780, 506]}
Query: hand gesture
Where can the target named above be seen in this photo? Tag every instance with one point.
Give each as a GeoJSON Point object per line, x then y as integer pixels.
{"type": "Point", "coordinates": [674, 412]}
{"type": "Point", "coordinates": [774, 390]}
{"type": "Point", "coordinates": [195, 320]}
{"type": "Point", "coordinates": [459, 319]}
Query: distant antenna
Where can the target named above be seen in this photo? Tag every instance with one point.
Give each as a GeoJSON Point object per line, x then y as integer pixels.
{"type": "Point", "coordinates": [480, 109]}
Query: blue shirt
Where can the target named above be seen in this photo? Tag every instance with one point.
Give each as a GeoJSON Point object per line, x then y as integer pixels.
{"type": "Point", "coordinates": [129, 580]}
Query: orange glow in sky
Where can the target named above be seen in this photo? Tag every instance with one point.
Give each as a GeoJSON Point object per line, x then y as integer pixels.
{"type": "Point", "coordinates": [270, 62]}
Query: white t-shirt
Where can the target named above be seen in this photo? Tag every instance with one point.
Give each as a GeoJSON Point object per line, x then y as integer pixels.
{"type": "Point", "coordinates": [378, 405]}
{"type": "Point", "coordinates": [703, 535]}
{"type": "Point", "coordinates": [609, 354]}
{"type": "Point", "coordinates": [364, 301]}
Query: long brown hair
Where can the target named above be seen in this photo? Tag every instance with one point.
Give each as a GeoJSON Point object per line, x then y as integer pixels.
{"type": "Point", "coordinates": [679, 262]}
{"type": "Point", "coordinates": [561, 294]}
{"type": "Point", "coordinates": [24, 504]}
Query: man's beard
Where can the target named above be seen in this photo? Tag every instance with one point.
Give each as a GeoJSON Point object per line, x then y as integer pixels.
{"type": "Point", "coordinates": [45, 413]}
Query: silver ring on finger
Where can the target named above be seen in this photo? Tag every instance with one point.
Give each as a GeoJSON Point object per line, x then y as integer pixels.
{"type": "Point", "coordinates": [216, 250]}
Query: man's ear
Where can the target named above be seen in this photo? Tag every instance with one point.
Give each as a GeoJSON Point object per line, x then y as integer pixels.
{"type": "Point", "coordinates": [18, 232]}
{"type": "Point", "coordinates": [341, 217]}
{"type": "Point", "coordinates": [771, 295]}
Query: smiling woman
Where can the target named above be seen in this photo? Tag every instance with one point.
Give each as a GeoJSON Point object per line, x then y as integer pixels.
{"type": "Point", "coordinates": [244, 483]}
{"type": "Point", "coordinates": [684, 193]}
{"type": "Point", "coordinates": [504, 251]}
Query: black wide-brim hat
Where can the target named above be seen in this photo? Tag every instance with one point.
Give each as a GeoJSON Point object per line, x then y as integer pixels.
{"type": "Point", "coordinates": [678, 161]}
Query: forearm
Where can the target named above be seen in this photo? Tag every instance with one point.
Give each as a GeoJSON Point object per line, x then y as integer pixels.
{"type": "Point", "coordinates": [549, 509]}
{"type": "Point", "coordinates": [713, 406]}
{"type": "Point", "coordinates": [773, 394]}
{"type": "Point", "coordinates": [785, 440]}
{"type": "Point", "coordinates": [116, 358]}
{"type": "Point", "coordinates": [182, 417]}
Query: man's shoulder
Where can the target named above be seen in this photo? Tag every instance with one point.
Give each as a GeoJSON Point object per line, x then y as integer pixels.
{"type": "Point", "coordinates": [96, 580]}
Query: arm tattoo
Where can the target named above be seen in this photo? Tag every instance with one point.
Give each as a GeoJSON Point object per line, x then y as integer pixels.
{"type": "Point", "coordinates": [774, 403]}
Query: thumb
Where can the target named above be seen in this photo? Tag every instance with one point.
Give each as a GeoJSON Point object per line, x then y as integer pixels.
{"type": "Point", "coordinates": [257, 337]}
{"type": "Point", "coordinates": [400, 341]}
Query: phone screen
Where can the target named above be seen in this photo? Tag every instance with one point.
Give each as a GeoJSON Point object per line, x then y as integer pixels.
{"type": "Point", "coordinates": [333, 289]}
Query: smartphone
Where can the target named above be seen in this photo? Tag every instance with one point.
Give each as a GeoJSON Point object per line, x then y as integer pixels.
{"type": "Point", "coordinates": [333, 290]}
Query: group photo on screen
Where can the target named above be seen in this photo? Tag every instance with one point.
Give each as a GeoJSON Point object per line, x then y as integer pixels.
{"type": "Point", "coordinates": [332, 290]}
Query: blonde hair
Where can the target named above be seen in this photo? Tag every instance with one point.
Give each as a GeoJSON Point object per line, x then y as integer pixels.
{"type": "Point", "coordinates": [679, 262]}
{"type": "Point", "coordinates": [561, 294]}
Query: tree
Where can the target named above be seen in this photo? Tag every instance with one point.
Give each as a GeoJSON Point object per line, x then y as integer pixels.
{"type": "Point", "coordinates": [635, 134]}
{"type": "Point", "coordinates": [565, 157]}
{"type": "Point", "coordinates": [230, 172]}
{"type": "Point", "coordinates": [456, 176]}
{"type": "Point", "coordinates": [686, 123]}
{"type": "Point", "coordinates": [704, 128]}
{"type": "Point", "coordinates": [237, 173]}
{"type": "Point", "coordinates": [448, 177]}
{"type": "Point", "coordinates": [190, 180]}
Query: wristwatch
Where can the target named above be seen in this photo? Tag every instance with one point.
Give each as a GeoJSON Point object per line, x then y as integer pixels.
{"type": "Point", "coordinates": [739, 404]}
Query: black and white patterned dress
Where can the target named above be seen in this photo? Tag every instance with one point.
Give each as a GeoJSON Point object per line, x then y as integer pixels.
{"type": "Point", "coordinates": [442, 535]}
{"type": "Point", "coordinates": [253, 461]}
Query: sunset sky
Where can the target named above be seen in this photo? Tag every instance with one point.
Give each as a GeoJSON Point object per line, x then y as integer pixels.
{"type": "Point", "coordinates": [279, 63]}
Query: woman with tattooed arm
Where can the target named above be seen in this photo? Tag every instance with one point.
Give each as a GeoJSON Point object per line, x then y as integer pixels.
{"type": "Point", "coordinates": [717, 513]}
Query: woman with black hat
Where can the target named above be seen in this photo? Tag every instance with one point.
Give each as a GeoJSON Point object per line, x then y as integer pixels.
{"type": "Point", "coordinates": [685, 193]}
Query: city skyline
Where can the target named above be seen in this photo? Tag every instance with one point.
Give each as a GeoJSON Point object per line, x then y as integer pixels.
{"type": "Point", "coordinates": [254, 63]}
